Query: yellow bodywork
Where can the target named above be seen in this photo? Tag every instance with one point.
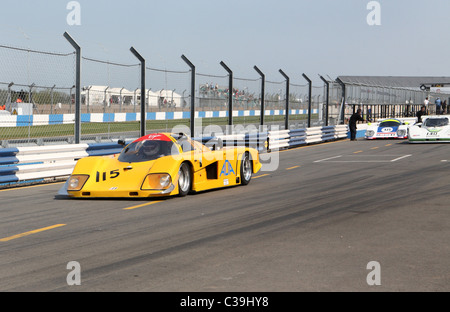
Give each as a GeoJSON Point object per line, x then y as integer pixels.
{"type": "Point", "coordinates": [106, 176]}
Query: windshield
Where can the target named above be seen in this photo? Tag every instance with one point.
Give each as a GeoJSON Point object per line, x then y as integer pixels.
{"type": "Point", "coordinates": [147, 150]}
{"type": "Point", "coordinates": [390, 123]}
{"type": "Point", "coordinates": [436, 122]}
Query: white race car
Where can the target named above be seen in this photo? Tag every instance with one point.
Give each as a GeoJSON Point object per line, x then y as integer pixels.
{"type": "Point", "coordinates": [388, 129]}
{"type": "Point", "coordinates": [432, 129]}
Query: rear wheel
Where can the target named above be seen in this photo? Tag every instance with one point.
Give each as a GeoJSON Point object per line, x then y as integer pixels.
{"type": "Point", "coordinates": [246, 169]}
{"type": "Point", "coordinates": [184, 179]}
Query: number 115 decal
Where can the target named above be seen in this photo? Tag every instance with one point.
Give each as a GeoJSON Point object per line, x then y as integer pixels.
{"type": "Point", "coordinates": [103, 176]}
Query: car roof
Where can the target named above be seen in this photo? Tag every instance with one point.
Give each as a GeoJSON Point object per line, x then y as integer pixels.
{"type": "Point", "coordinates": [395, 120]}
{"type": "Point", "coordinates": [155, 137]}
{"type": "Point", "coordinates": [436, 116]}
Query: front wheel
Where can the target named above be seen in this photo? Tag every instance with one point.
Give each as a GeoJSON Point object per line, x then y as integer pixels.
{"type": "Point", "coordinates": [246, 169]}
{"type": "Point", "coordinates": [184, 179]}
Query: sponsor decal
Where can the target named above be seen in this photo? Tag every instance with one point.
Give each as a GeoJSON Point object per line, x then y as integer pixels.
{"type": "Point", "coordinates": [387, 131]}
{"type": "Point", "coordinates": [154, 137]}
{"type": "Point", "coordinates": [227, 169]}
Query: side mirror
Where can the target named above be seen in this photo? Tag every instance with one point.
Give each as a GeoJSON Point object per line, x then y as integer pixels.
{"type": "Point", "coordinates": [218, 145]}
{"type": "Point", "coordinates": [182, 135]}
{"type": "Point", "coordinates": [121, 142]}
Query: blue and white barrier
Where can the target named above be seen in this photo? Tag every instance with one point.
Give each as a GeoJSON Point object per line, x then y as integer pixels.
{"type": "Point", "coordinates": [38, 164]}
{"type": "Point", "coordinates": [297, 137]}
{"type": "Point", "coordinates": [56, 162]}
{"type": "Point", "coordinates": [292, 138]}
{"type": "Point", "coordinates": [278, 139]}
{"type": "Point", "coordinates": [43, 120]}
{"type": "Point", "coordinates": [258, 141]}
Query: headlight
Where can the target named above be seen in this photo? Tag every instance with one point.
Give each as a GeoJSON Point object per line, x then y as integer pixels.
{"type": "Point", "coordinates": [164, 181]}
{"type": "Point", "coordinates": [157, 181]}
{"type": "Point", "coordinates": [73, 183]}
{"type": "Point", "coordinates": [370, 133]}
{"type": "Point", "coordinates": [401, 133]}
{"type": "Point", "coordinates": [76, 182]}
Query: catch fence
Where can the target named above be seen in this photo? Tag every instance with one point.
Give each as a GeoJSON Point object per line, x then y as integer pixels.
{"type": "Point", "coordinates": [38, 99]}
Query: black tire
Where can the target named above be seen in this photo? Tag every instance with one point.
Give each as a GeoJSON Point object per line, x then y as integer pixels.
{"type": "Point", "coordinates": [246, 169]}
{"type": "Point", "coordinates": [184, 180]}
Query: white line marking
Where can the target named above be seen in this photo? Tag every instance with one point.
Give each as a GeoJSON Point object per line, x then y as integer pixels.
{"type": "Point", "coordinates": [331, 159]}
{"type": "Point", "coordinates": [359, 155]}
{"type": "Point", "coordinates": [359, 161]}
{"type": "Point", "coordinates": [401, 158]}
{"type": "Point", "coordinates": [328, 159]}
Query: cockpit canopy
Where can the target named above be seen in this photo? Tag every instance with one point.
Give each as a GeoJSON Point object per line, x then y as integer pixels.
{"type": "Point", "coordinates": [390, 123]}
{"type": "Point", "coordinates": [435, 122]}
{"type": "Point", "coordinates": [148, 148]}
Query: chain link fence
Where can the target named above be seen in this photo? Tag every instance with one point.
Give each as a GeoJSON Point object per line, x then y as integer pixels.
{"type": "Point", "coordinates": [378, 102]}
{"type": "Point", "coordinates": [109, 92]}
{"type": "Point", "coordinates": [37, 99]}
{"type": "Point", "coordinates": [33, 86]}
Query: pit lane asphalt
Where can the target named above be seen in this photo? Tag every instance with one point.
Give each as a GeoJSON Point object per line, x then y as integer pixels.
{"type": "Point", "coordinates": [314, 224]}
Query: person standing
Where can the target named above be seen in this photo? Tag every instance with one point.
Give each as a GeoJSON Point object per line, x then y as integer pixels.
{"type": "Point", "coordinates": [438, 103]}
{"type": "Point", "coordinates": [444, 107]}
{"type": "Point", "coordinates": [421, 113]}
{"type": "Point", "coordinates": [352, 123]}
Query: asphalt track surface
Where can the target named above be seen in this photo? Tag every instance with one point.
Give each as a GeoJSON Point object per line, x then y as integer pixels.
{"type": "Point", "coordinates": [314, 224]}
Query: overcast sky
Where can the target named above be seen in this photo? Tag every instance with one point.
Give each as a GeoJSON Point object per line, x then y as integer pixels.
{"type": "Point", "coordinates": [327, 37]}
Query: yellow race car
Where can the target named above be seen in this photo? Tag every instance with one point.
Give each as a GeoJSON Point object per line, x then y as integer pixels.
{"type": "Point", "coordinates": [162, 164]}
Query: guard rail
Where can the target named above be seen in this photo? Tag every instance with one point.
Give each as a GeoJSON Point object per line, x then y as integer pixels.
{"type": "Point", "coordinates": [33, 165]}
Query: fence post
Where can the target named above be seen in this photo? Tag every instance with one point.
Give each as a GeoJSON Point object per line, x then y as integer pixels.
{"type": "Point", "coordinates": [192, 124]}
{"type": "Point", "coordinates": [286, 121]}
{"type": "Point", "coordinates": [327, 102]}
{"type": "Point", "coordinates": [342, 113]}
{"type": "Point", "coordinates": [309, 99]}
{"type": "Point", "coordinates": [104, 99]}
{"type": "Point", "coordinates": [143, 119]}
{"type": "Point", "coordinates": [230, 97]}
{"type": "Point", "coordinates": [77, 48]}
{"type": "Point", "coordinates": [9, 99]}
{"type": "Point", "coordinates": [51, 99]}
{"type": "Point", "coordinates": [263, 84]}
